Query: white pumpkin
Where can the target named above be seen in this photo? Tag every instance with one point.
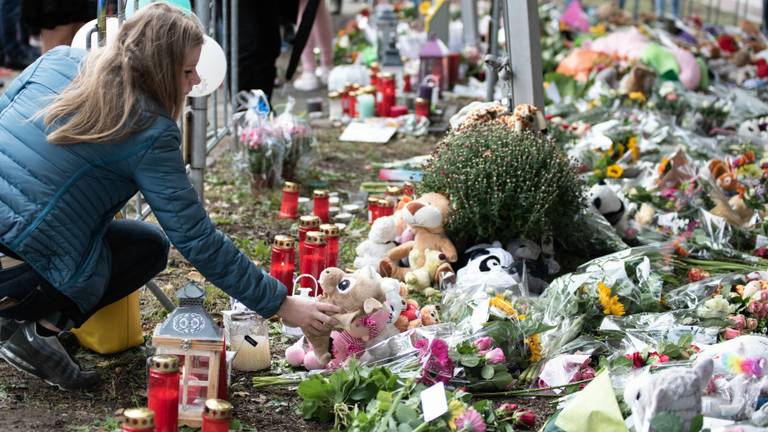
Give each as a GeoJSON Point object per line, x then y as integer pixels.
{"type": "Point", "coordinates": [347, 74]}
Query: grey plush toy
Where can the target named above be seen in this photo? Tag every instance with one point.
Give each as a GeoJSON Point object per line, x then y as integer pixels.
{"type": "Point", "coordinates": [676, 390]}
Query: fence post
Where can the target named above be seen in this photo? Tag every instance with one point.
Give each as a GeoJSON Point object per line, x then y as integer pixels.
{"type": "Point", "coordinates": [522, 21]}
{"type": "Point", "coordinates": [469, 20]}
{"type": "Point", "coordinates": [493, 36]}
{"type": "Point", "coordinates": [198, 121]}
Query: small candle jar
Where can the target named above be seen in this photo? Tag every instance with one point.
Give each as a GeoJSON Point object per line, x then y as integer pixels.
{"type": "Point", "coordinates": [386, 208]}
{"type": "Point", "coordinates": [421, 106]}
{"type": "Point", "coordinates": [331, 233]}
{"type": "Point", "coordinates": [249, 338]}
{"type": "Point", "coordinates": [389, 95]}
{"type": "Point", "coordinates": [321, 204]}
{"type": "Point", "coordinates": [345, 99]}
{"type": "Point", "coordinates": [335, 109]}
{"type": "Point", "coordinates": [216, 415]}
{"type": "Point", "coordinates": [353, 111]}
{"type": "Point", "coordinates": [138, 420]}
{"type": "Point", "coordinates": [366, 103]}
{"type": "Point", "coordinates": [393, 194]}
{"type": "Point", "coordinates": [373, 204]}
{"type": "Point", "coordinates": [289, 205]}
{"type": "Point", "coordinates": [408, 189]}
{"type": "Point", "coordinates": [373, 77]}
{"type": "Point", "coordinates": [407, 87]}
{"type": "Point", "coordinates": [163, 392]}
{"type": "Point", "coordinates": [313, 262]}
{"type": "Point", "coordinates": [307, 224]}
{"type": "Point", "coordinates": [283, 262]}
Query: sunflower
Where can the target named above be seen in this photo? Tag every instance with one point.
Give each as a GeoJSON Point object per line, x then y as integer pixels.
{"type": "Point", "coordinates": [637, 96]}
{"type": "Point", "coordinates": [456, 410]}
{"type": "Point", "coordinates": [534, 344]}
{"type": "Point", "coordinates": [611, 304]}
{"type": "Point", "coordinates": [503, 305]}
{"type": "Point", "coordinates": [633, 148]}
{"type": "Point", "coordinates": [614, 171]}
{"type": "Point", "coordinates": [424, 8]}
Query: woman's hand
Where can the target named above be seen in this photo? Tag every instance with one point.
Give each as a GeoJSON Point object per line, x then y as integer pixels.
{"type": "Point", "coordinates": [311, 316]}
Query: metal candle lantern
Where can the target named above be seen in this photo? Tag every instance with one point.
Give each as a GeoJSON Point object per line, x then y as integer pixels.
{"type": "Point", "coordinates": [386, 29]}
{"type": "Point", "coordinates": [433, 60]}
{"type": "Point", "coordinates": [189, 333]}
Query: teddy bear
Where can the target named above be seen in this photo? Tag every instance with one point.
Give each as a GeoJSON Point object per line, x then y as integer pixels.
{"type": "Point", "coordinates": [676, 390]}
{"type": "Point", "coordinates": [381, 239]}
{"type": "Point", "coordinates": [429, 315]}
{"type": "Point", "coordinates": [359, 295]}
{"type": "Point", "coordinates": [420, 278]}
{"type": "Point", "coordinates": [426, 217]}
{"type": "Point", "coordinates": [410, 317]}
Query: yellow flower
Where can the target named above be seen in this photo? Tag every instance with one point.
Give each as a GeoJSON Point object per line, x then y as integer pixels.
{"type": "Point", "coordinates": [611, 304]}
{"type": "Point", "coordinates": [424, 8]}
{"type": "Point", "coordinates": [632, 145]}
{"type": "Point", "coordinates": [614, 171]}
{"type": "Point", "coordinates": [534, 345]}
{"type": "Point", "coordinates": [455, 409]}
{"type": "Point", "coordinates": [593, 103]}
{"type": "Point", "coordinates": [598, 30]}
{"type": "Point", "coordinates": [503, 305]}
{"type": "Point", "coordinates": [637, 96]}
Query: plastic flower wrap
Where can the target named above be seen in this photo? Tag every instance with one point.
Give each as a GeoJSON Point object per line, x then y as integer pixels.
{"type": "Point", "coordinates": [264, 145]}
{"type": "Point", "coordinates": [297, 134]}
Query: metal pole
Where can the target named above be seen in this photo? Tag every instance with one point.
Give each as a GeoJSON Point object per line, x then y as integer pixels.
{"type": "Point", "coordinates": [493, 36]}
{"type": "Point", "coordinates": [635, 10]}
{"type": "Point", "coordinates": [101, 21]}
{"type": "Point", "coordinates": [736, 13]}
{"type": "Point", "coordinates": [717, 13]}
{"type": "Point", "coordinates": [524, 53]}
{"type": "Point", "coordinates": [233, 72]}
{"type": "Point", "coordinates": [160, 296]}
{"type": "Point", "coordinates": [469, 20]}
{"type": "Point", "coordinates": [199, 119]}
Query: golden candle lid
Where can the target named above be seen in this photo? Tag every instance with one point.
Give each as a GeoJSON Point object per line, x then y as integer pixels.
{"type": "Point", "coordinates": [394, 191]}
{"type": "Point", "coordinates": [315, 238]}
{"type": "Point", "coordinates": [420, 101]}
{"type": "Point", "coordinates": [283, 242]}
{"type": "Point", "coordinates": [369, 89]}
{"type": "Point", "coordinates": [373, 201]}
{"type": "Point", "coordinates": [355, 86]}
{"type": "Point", "coordinates": [387, 76]}
{"type": "Point", "coordinates": [330, 230]}
{"type": "Point", "coordinates": [385, 203]}
{"type": "Point", "coordinates": [217, 409]}
{"type": "Point", "coordinates": [290, 187]}
{"type": "Point", "coordinates": [309, 221]}
{"type": "Point", "coordinates": [334, 95]}
{"type": "Point", "coordinates": [164, 363]}
{"type": "Point", "coordinates": [139, 418]}
{"type": "Point", "coordinates": [320, 193]}
{"type": "Point", "coordinates": [375, 65]}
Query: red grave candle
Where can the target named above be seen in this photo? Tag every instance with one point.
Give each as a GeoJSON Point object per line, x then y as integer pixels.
{"type": "Point", "coordinates": [216, 415]}
{"type": "Point", "coordinates": [373, 203]}
{"type": "Point", "coordinates": [313, 262]}
{"type": "Point", "coordinates": [386, 208]}
{"type": "Point", "coordinates": [306, 224]}
{"type": "Point", "coordinates": [138, 420]}
{"type": "Point", "coordinates": [331, 233]}
{"type": "Point", "coordinates": [421, 106]}
{"type": "Point", "coordinates": [408, 189]}
{"type": "Point", "coordinates": [320, 204]}
{"type": "Point", "coordinates": [163, 392]}
{"type": "Point", "coordinates": [389, 95]}
{"type": "Point", "coordinates": [283, 262]}
{"type": "Point", "coordinates": [289, 205]}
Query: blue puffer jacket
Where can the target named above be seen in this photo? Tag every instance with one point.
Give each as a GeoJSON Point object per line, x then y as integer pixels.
{"type": "Point", "coordinates": [56, 200]}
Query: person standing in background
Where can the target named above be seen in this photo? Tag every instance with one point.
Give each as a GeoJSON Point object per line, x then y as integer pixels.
{"type": "Point", "coordinates": [321, 37]}
{"type": "Point", "coordinates": [16, 51]}
{"type": "Point", "coordinates": [57, 21]}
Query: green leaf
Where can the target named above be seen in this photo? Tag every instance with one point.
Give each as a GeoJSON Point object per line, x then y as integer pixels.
{"type": "Point", "coordinates": [667, 422]}
{"type": "Point", "coordinates": [469, 361]}
{"type": "Point", "coordinates": [405, 414]}
{"type": "Point", "coordinates": [314, 388]}
{"type": "Point", "coordinates": [697, 423]}
{"type": "Point", "coordinates": [685, 340]}
{"type": "Point", "coordinates": [487, 372]}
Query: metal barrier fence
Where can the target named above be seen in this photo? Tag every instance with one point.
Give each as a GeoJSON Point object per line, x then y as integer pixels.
{"type": "Point", "coordinates": [711, 11]}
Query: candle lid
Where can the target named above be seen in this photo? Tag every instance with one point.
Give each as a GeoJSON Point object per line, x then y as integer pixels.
{"type": "Point", "coordinates": [420, 101]}
{"type": "Point", "coordinates": [351, 208]}
{"type": "Point", "coordinates": [284, 242]}
{"type": "Point", "coordinates": [309, 221]}
{"type": "Point", "coordinates": [164, 363]}
{"type": "Point", "coordinates": [315, 238]}
{"type": "Point", "coordinates": [139, 418]}
{"type": "Point", "coordinates": [369, 89]}
{"type": "Point", "coordinates": [217, 409]}
{"type": "Point", "coordinates": [290, 187]}
{"type": "Point", "coordinates": [387, 76]}
{"type": "Point", "coordinates": [385, 203]}
{"type": "Point", "coordinates": [320, 193]}
{"type": "Point", "coordinates": [394, 190]}
{"type": "Point", "coordinates": [373, 200]}
{"type": "Point", "coordinates": [330, 230]}
{"type": "Point", "coordinates": [333, 95]}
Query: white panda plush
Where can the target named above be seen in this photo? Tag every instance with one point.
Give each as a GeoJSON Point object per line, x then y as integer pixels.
{"type": "Point", "coordinates": [610, 205]}
{"type": "Point", "coordinates": [754, 128]}
{"type": "Point", "coordinates": [489, 267]}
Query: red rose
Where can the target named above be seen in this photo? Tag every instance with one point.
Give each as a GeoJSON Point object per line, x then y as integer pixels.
{"type": "Point", "coordinates": [696, 274]}
{"type": "Point", "coordinates": [637, 359]}
{"type": "Point", "coordinates": [525, 419]}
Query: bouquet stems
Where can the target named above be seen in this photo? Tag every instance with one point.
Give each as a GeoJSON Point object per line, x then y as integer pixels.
{"type": "Point", "coordinates": [536, 392]}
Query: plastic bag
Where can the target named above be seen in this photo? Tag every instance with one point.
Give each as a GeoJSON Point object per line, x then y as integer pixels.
{"type": "Point", "coordinates": [265, 147]}
{"type": "Point", "coordinates": [299, 141]}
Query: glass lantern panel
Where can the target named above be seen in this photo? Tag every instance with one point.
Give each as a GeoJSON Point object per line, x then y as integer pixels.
{"type": "Point", "coordinates": [195, 380]}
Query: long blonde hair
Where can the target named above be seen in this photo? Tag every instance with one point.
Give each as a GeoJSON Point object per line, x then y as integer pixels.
{"type": "Point", "coordinates": [104, 103]}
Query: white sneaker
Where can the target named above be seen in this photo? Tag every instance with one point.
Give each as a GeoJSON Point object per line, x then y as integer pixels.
{"type": "Point", "coordinates": [322, 74]}
{"type": "Point", "coordinates": [307, 81]}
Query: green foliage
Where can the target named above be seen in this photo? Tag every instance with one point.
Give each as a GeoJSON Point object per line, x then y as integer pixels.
{"type": "Point", "coordinates": [504, 184]}
{"type": "Point", "coordinates": [670, 422]}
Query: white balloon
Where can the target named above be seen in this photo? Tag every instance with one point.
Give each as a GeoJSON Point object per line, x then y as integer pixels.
{"type": "Point", "coordinates": [80, 37]}
{"type": "Point", "coordinates": [212, 68]}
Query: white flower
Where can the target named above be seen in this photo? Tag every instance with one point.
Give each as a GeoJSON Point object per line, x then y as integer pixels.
{"type": "Point", "coordinates": [716, 307]}
{"type": "Point", "coordinates": [750, 289]}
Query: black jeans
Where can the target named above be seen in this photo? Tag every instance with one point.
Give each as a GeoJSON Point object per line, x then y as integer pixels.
{"type": "Point", "coordinates": [139, 252]}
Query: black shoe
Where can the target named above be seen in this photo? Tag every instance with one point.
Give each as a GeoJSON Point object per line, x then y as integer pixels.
{"type": "Point", "coordinates": [45, 358]}
{"type": "Point", "coordinates": [7, 329]}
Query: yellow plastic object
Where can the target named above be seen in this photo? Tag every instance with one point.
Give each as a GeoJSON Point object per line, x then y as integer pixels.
{"type": "Point", "coordinates": [114, 328]}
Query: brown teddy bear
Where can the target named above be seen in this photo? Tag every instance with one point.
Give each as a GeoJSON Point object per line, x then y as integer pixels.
{"type": "Point", "coordinates": [357, 294]}
{"type": "Point", "coordinates": [426, 216]}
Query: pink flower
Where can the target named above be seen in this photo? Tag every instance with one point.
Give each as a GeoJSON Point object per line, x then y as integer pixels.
{"type": "Point", "coordinates": [484, 343]}
{"type": "Point", "coordinates": [764, 296]}
{"type": "Point", "coordinates": [730, 333]}
{"type": "Point", "coordinates": [495, 356]}
{"type": "Point", "coordinates": [525, 419]}
{"type": "Point", "coordinates": [587, 373]}
{"type": "Point", "coordinates": [669, 193]}
{"type": "Point", "coordinates": [471, 421]}
{"type": "Point", "coordinates": [637, 359]}
{"type": "Point", "coordinates": [507, 408]}
{"type": "Point", "coordinates": [751, 323]}
{"type": "Point", "coordinates": [754, 307]}
{"type": "Point", "coordinates": [739, 322]}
